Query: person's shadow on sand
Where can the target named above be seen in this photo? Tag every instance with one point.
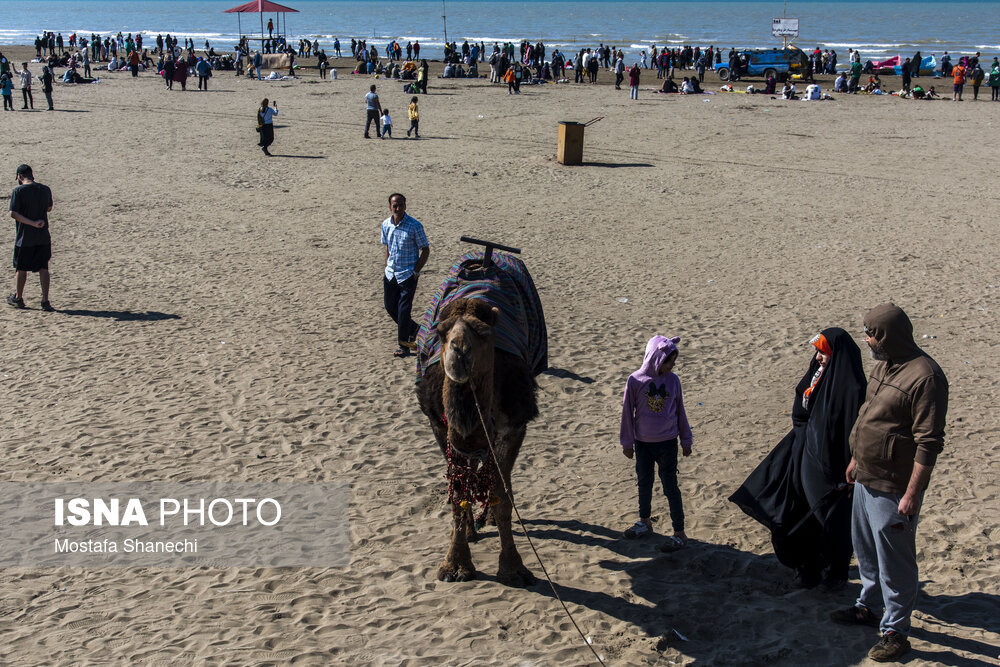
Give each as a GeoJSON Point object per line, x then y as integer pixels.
{"type": "Point", "coordinates": [738, 608]}
{"type": "Point", "coordinates": [971, 610]}
{"type": "Point", "coordinates": [121, 315]}
{"type": "Point", "coordinates": [570, 375]}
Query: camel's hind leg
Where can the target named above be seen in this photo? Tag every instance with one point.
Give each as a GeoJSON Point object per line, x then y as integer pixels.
{"type": "Point", "coordinates": [511, 570]}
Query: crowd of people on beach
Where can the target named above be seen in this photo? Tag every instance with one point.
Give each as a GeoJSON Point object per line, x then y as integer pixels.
{"type": "Point", "coordinates": [512, 64]}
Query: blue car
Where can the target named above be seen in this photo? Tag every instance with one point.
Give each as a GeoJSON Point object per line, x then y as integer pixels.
{"type": "Point", "coordinates": [766, 63]}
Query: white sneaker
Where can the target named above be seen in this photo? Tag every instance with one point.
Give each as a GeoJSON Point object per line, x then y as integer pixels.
{"type": "Point", "coordinates": [638, 530]}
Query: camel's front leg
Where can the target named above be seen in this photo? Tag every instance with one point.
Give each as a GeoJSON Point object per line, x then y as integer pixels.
{"type": "Point", "coordinates": [511, 570]}
{"type": "Point", "coordinates": [457, 565]}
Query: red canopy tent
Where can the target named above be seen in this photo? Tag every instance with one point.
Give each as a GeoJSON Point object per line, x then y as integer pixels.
{"type": "Point", "coordinates": [259, 7]}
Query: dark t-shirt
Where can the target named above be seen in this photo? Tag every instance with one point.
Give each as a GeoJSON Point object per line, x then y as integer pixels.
{"type": "Point", "coordinates": [32, 200]}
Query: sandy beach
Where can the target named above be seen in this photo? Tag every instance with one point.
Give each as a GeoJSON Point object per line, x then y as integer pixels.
{"type": "Point", "coordinates": [221, 318]}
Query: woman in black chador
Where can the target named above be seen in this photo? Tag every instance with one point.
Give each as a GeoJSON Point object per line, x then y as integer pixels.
{"type": "Point", "coordinates": [799, 490]}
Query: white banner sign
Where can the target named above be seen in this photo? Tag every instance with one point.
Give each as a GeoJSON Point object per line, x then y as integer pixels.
{"type": "Point", "coordinates": [785, 27]}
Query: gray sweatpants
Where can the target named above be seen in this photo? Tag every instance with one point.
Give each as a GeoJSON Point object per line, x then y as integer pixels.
{"type": "Point", "coordinates": [885, 544]}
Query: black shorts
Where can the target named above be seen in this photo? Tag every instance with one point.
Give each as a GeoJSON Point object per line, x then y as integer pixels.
{"type": "Point", "coordinates": [32, 258]}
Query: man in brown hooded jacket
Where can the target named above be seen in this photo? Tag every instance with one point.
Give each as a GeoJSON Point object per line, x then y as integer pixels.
{"type": "Point", "coordinates": [894, 445]}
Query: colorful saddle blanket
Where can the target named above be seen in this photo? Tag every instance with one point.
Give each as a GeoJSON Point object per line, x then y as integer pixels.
{"type": "Point", "coordinates": [506, 285]}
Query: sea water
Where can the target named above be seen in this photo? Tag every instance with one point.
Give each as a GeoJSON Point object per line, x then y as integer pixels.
{"type": "Point", "coordinates": [878, 29]}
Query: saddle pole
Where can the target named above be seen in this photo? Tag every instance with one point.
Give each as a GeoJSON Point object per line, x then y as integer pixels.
{"type": "Point", "coordinates": [490, 245]}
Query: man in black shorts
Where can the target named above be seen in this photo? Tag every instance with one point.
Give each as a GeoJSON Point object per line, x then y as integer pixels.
{"type": "Point", "coordinates": [30, 204]}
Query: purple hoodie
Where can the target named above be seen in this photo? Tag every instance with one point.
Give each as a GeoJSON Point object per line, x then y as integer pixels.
{"type": "Point", "coordinates": [653, 409]}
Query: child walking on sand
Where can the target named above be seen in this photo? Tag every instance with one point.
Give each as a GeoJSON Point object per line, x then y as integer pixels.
{"type": "Point", "coordinates": [653, 419]}
{"type": "Point", "coordinates": [7, 89]}
{"type": "Point", "coordinates": [414, 114]}
{"type": "Point", "coordinates": [386, 124]}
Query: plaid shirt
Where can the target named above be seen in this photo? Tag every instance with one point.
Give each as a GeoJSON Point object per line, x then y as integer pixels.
{"type": "Point", "coordinates": [405, 241]}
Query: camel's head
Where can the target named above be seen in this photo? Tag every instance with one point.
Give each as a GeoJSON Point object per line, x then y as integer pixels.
{"type": "Point", "coordinates": [466, 333]}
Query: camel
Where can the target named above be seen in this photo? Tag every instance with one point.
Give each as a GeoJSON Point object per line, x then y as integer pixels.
{"type": "Point", "coordinates": [474, 370]}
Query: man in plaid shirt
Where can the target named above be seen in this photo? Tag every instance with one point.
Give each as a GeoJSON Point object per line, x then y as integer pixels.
{"type": "Point", "coordinates": [406, 252]}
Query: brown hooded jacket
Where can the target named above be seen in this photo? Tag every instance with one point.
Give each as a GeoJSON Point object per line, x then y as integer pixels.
{"type": "Point", "coordinates": [902, 419]}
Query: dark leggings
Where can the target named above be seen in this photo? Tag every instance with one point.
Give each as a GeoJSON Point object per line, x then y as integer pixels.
{"type": "Point", "coordinates": [202, 81]}
{"type": "Point", "coordinates": [662, 455]}
{"type": "Point", "coordinates": [996, 93]}
{"type": "Point", "coordinates": [28, 101]}
{"type": "Point", "coordinates": [8, 102]}
{"type": "Point", "coordinates": [48, 98]}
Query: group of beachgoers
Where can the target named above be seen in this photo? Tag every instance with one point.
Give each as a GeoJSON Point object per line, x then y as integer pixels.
{"type": "Point", "coordinates": [849, 477]}
{"type": "Point", "coordinates": [120, 52]}
{"type": "Point", "coordinates": [511, 63]}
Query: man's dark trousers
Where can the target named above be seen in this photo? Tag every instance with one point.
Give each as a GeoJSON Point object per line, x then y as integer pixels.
{"type": "Point", "coordinates": [373, 118]}
{"type": "Point", "coordinates": [398, 299]}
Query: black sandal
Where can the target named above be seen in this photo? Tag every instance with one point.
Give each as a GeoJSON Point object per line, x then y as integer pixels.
{"type": "Point", "coordinates": [401, 352]}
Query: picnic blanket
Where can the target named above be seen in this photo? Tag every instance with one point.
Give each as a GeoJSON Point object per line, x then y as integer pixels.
{"type": "Point", "coordinates": [505, 284]}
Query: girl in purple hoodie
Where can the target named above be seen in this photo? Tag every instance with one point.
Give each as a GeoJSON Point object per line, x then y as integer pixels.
{"type": "Point", "coordinates": [653, 419]}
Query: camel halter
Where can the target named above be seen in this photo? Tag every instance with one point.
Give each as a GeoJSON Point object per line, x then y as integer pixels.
{"type": "Point", "coordinates": [524, 529]}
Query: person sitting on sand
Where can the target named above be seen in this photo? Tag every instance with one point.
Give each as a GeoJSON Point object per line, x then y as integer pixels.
{"type": "Point", "coordinates": [695, 86]}
{"type": "Point", "coordinates": [788, 91]}
{"type": "Point", "coordinates": [686, 87]}
{"type": "Point", "coordinates": [770, 85]}
{"type": "Point", "coordinates": [72, 76]}
{"type": "Point", "coordinates": [669, 85]}
{"type": "Point", "coordinates": [931, 95]}
{"type": "Point", "coordinates": [840, 85]}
